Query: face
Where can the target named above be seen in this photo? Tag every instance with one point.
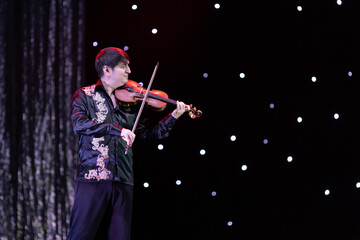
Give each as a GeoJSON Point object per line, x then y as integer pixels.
{"type": "Point", "coordinates": [118, 76]}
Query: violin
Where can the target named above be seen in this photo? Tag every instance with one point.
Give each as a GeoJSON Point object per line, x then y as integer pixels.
{"type": "Point", "coordinates": [132, 93]}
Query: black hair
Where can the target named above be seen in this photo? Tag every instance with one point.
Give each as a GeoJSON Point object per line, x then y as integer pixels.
{"type": "Point", "coordinates": [110, 57]}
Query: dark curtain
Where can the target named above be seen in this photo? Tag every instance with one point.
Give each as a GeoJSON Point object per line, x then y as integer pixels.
{"type": "Point", "coordinates": [41, 65]}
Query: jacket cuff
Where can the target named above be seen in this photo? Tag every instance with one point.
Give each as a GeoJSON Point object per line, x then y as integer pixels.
{"type": "Point", "coordinates": [115, 130]}
{"type": "Point", "coordinates": [169, 121]}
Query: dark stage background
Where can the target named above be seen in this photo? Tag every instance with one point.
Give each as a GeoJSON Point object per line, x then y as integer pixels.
{"type": "Point", "coordinates": [275, 77]}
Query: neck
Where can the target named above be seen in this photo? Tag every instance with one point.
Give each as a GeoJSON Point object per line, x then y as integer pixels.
{"type": "Point", "coordinates": [109, 90]}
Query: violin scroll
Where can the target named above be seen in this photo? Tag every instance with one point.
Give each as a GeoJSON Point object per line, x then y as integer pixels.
{"type": "Point", "coordinates": [194, 113]}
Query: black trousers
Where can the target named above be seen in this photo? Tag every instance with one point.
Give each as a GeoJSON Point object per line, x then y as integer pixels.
{"type": "Point", "coordinates": [102, 210]}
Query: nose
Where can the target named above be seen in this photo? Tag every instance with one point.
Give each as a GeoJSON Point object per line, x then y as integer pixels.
{"type": "Point", "coordinates": [128, 71]}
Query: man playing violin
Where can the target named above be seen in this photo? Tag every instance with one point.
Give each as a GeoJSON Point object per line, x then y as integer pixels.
{"type": "Point", "coordinates": [104, 183]}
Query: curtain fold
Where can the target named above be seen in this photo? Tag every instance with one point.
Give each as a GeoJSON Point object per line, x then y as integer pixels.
{"type": "Point", "coordinates": [41, 65]}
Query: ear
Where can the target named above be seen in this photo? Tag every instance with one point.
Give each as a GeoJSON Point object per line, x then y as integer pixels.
{"type": "Point", "coordinates": [106, 70]}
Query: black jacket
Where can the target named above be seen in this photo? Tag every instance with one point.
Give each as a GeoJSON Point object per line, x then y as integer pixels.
{"type": "Point", "coordinates": [101, 149]}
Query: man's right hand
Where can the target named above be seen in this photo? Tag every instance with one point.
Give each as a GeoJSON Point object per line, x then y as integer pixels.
{"type": "Point", "coordinates": [128, 136]}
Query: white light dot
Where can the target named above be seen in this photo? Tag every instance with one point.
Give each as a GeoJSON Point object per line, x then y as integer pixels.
{"type": "Point", "coordinates": [244, 167]}
{"type": "Point", "coordinates": [349, 74]}
{"type": "Point", "coordinates": [216, 5]}
{"type": "Point", "coordinates": [154, 31]}
{"type": "Point", "coordinates": [213, 193]}
{"type": "Point", "coordinates": [265, 141]}
{"type": "Point", "coordinates": [95, 44]}
{"type": "Point", "coordinates": [327, 192]}
{"type": "Point", "coordinates": [233, 138]}
{"type": "Point", "coordinates": [313, 79]}
{"type": "Point", "coordinates": [299, 119]}
{"type": "Point", "coordinates": [134, 7]}
{"type": "Point", "coordinates": [271, 105]}
{"type": "Point", "coordinates": [289, 158]}
{"type": "Point", "coordinates": [358, 185]}
{"type": "Point", "coordinates": [205, 75]}
{"type": "Point", "coordinates": [242, 75]}
{"type": "Point", "coordinates": [146, 185]}
{"type": "Point", "coordinates": [299, 8]}
{"type": "Point", "coordinates": [229, 223]}
{"type": "Point", "coordinates": [178, 182]}
{"type": "Point", "coordinates": [126, 48]}
{"type": "Point", "coordinates": [339, 2]}
{"type": "Point", "coordinates": [160, 147]}
{"type": "Point", "coordinates": [202, 152]}
{"type": "Point", "coordinates": [336, 116]}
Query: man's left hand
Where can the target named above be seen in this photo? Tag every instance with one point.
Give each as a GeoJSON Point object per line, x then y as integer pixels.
{"type": "Point", "coordinates": [180, 109]}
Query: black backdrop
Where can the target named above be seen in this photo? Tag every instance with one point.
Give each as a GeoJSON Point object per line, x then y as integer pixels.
{"type": "Point", "coordinates": [48, 52]}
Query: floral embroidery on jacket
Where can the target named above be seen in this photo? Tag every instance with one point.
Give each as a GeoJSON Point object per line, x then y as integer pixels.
{"type": "Point", "coordinates": [101, 172]}
{"type": "Point", "coordinates": [100, 103]}
{"type": "Point", "coordinates": [89, 90]}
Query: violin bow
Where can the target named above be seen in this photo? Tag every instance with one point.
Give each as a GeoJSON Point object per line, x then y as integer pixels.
{"type": "Point", "coordinates": [143, 102]}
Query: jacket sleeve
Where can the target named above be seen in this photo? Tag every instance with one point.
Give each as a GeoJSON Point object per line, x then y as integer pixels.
{"type": "Point", "coordinates": [158, 132]}
{"type": "Point", "coordinates": [81, 121]}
